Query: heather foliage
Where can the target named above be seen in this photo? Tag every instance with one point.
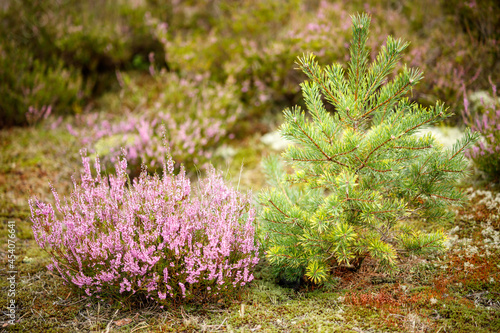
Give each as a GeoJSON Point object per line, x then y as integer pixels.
{"type": "Point", "coordinates": [359, 172]}
{"type": "Point", "coordinates": [193, 116]}
{"type": "Point", "coordinates": [482, 114]}
{"type": "Point", "coordinates": [28, 83]}
{"type": "Point", "coordinates": [60, 53]}
{"type": "Point", "coordinates": [157, 237]}
{"type": "Point", "coordinates": [253, 42]}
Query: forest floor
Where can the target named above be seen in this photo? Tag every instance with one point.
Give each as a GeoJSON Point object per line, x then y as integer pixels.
{"type": "Point", "coordinates": [458, 291]}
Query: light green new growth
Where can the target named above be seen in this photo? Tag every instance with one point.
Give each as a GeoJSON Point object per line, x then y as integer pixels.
{"type": "Point", "coordinates": [359, 171]}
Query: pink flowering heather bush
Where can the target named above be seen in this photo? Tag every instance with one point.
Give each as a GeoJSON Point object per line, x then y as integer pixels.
{"type": "Point", "coordinates": [485, 119]}
{"type": "Point", "coordinates": [156, 237]}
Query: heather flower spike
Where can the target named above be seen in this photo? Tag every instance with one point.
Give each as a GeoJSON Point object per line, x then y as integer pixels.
{"type": "Point", "coordinates": [359, 172]}
{"type": "Point", "coordinates": [155, 236]}
{"type": "Point", "coordinates": [486, 154]}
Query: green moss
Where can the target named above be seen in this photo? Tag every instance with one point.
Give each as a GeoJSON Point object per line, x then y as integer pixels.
{"type": "Point", "coordinates": [24, 230]}
{"type": "Point", "coordinates": [461, 318]}
{"type": "Point", "coordinates": [366, 318]}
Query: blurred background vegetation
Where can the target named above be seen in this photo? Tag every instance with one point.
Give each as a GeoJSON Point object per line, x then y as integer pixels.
{"type": "Point", "coordinates": [73, 57]}
{"type": "Point", "coordinates": [106, 74]}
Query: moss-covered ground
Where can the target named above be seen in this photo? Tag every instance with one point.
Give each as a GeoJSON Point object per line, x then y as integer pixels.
{"type": "Point", "coordinates": [455, 292]}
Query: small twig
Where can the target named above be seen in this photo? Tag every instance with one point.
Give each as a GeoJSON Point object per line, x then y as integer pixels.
{"type": "Point", "coordinates": [98, 310]}
{"type": "Point", "coordinates": [111, 321]}
{"type": "Point", "coordinates": [139, 326]}
{"type": "Point", "coordinates": [38, 313]}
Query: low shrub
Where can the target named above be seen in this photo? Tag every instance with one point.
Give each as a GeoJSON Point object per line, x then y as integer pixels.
{"type": "Point", "coordinates": [192, 115]}
{"type": "Point", "coordinates": [30, 83]}
{"type": "Point", "coordinates": [157, 237]}
{"type": "Point", "coordinates": [360, 172]}
{"type": "Point", "coordinates": [482, 114]}
{"type": "Point", "coordinates": [60, 53]}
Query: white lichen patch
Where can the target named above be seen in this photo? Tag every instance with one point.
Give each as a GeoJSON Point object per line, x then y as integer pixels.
{"type": "Point", "coordinates": [275, 141]}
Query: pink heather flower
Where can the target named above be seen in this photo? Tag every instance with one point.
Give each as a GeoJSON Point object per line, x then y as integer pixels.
{"type": "Point", "coordinates": [485, 121]}
{"type": "Point", "coordinates": [183, 289]}
{"type": "Point", "coordinates": [71, 130]}
{"type": "Point", "coordinates": [111, 236]}
{"type": "Point", "coordinates": [475, 150]}
{"type": "Point", "coordinates": [125, 285]}
{"type": "Point", "coordinates": [489, 125]}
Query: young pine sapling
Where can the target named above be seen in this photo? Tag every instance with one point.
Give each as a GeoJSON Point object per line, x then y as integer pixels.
{"type": "Point", "coordinates": [360, 171]}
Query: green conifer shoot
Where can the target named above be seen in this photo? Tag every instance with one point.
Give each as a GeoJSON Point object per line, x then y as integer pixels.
{"type": "Point", "coordinates": [360, 172]}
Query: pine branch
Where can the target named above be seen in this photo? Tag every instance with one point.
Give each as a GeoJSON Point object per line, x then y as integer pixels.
{"type": "Point", "coordinates": [412, 148]}
{"type": "Point", "coordinates": [316, 79]}
{"type": "Point", "coordinates": [367, 166]}
{"type": "Point", "coordinates": [284, 222]}
{"type": "Point", "coordinates": [458, 152]}
{"type": "Point", "coordinates": [443, 197]}
{"type": "Point", "coordinates": [283, 213]}
{"type": "Point", "coordinates": [283, 233]}
{"type": "Point", "coordinates": [378, 79]}
{"type": "Point", "coordinates": [399, 136]}
{"type": "Point", "coordinates": [371, 152]}
{"type": "Point", "coordinates": [356, 199]}
{"type": "Point", "coordinates": [345, 153]}
{"type": "Point", "coordinates": [421, 124]}
{"type": "Point", "coordinates": [387, 100]}
{"type": "Point", "coordinates": [314, 142]}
